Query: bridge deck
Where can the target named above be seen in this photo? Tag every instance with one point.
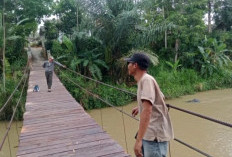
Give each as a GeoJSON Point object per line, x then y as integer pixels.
{"type": "Point", "coordinates": [56, 125]}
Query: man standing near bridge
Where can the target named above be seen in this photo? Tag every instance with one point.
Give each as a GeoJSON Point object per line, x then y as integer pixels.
{"type": "Point", "coordinates": [155, 128]}
{"type": "Point", "coordinates": [49, 68]}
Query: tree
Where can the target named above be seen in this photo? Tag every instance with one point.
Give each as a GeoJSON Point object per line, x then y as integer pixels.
{"type": "Point", "coordinates": [183, 24]}
{"type": "Point", "coordinates": [51, 33]}
{"type": "Point", "coordinates": [69, 15]}
{"type": "Point", "coordinates": [32, 9]}
{"type": "Point", "coordinates": [223, 15]}
{"type": "Point", "coordinates": [209, 16]}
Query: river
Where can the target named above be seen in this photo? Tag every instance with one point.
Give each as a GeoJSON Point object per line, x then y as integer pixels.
{"type": "Point", "coordinates": [10, 146]}
{"type": "Point", "coordinates": [209, 137]}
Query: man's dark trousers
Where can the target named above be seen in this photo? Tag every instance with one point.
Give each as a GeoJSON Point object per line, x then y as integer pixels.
{"type": "Point", "coordinates": [48, 75]}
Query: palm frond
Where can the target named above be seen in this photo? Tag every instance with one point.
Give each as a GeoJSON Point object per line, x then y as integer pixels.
{"type": "Point", "coordinates": [126, 22]}
{"type": "Point", "coordinates": [92, 71]}
{"type": "Point", "coordinates": [152, 56]}
{"type": "Point", "coordinates": [68, 44]}
{"type": "Point", "coordinates": [97, 71]}
{"type": "Point", "coordinates": [102, 63]}
{"type": "Point", "coordinates": [23, 20]}
{"type": "Point", "coordinates": [153, 31]}
{"type": "Point", "coordinates": [14, 37]}
{"type": "Point", "coordinates": [85, 63]}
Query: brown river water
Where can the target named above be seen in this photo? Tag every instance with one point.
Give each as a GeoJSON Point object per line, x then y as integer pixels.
{"type": "Point", "coordinates": [10, 146]}
{"type": "Point", "coordinates": [207, 136]}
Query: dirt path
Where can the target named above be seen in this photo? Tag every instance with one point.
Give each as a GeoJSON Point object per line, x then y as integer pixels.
{"type": "Point", "coordinates": [37, 58]}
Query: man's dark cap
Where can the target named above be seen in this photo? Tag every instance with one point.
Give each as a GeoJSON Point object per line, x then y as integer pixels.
{"type": "Point", "coordinates": [141, 59]}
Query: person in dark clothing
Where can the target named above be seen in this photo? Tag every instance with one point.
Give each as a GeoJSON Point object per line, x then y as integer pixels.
{"type": "Point", "coordinates": [49, 68]}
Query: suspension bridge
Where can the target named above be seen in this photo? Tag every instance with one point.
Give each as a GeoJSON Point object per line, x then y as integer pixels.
{"type": "Point", "coordinates": [46, 113]}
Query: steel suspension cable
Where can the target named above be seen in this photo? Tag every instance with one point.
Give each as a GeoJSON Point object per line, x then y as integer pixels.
{"type": "Point", "coordinates": [96, 96]}
{"type": "Point", "coordinates": [201, 116]}
{"type": "Point", "coordinates": [191, 147]}
{"type": "Point", "coordinates": [12, 117]}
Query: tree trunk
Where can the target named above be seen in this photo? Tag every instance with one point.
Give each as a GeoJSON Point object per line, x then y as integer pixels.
{"type": "Point", "coordinates": [165, 33]}
{"type": "Point", "coordinates": [4, 46]}
{"type": "Point", "coordinates": [177, 48]}
{"type": "Point", "coordinates": [166, 39]}
{"type": "Point", "coordinates": [77, 18]}
{"type": "Point", "coordinates": [173, 3]}
{"type": "Point", "coordinates": [209, 16]}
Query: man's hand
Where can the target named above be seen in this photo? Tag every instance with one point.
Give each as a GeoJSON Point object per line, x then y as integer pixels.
{"type": "Point", "coordinates": [138, 148]}
{"type": "Point", "coordinates": [135, 111]}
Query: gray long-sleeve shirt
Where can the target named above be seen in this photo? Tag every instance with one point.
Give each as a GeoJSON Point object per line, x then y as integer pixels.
{"type": "Point", "coordinates": [49, 66]}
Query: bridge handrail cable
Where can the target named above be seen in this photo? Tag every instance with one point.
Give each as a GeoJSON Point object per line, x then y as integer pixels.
{"type": "Point", "coordinates": [201, 116]}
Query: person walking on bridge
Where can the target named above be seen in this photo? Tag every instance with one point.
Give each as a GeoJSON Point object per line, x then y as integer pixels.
{"type": "Point", "coordinates": [155, 128]}
{"type": "Point", "coordinates": [49, 68]}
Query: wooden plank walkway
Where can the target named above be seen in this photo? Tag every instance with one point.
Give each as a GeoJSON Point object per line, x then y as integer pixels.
{"type": "Point", "coordinates": [55, 125]}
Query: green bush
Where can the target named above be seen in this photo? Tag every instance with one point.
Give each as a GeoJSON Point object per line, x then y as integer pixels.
{"type": "Point", "coordinates": [4, 95]}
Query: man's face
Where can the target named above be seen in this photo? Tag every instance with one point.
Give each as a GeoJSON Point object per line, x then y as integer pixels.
{"type": "Point", "coordinates": [132, 68]}
{"type": "Point", "coordinates": [50, 59]}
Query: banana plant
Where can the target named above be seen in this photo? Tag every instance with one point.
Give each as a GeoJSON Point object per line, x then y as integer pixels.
{"type": "Point", "coordinates": [174, 66]}
{"type": "Point", "coordinates": [92, 64]}
{"type": "Point", "coordinates": [213, 56]}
